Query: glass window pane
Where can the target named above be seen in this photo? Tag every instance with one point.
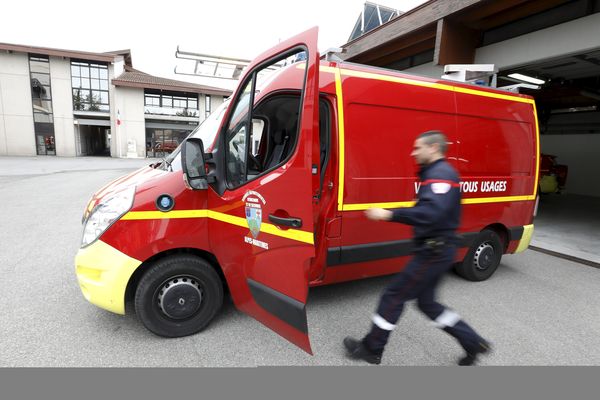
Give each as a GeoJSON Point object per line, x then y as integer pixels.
{"type": "Point", "coordinates": [104, 97]}
{"type": "Point", "coordinates": [104, 85]}
{"type": "Point", "coordinates": [41, 117]}
{"type": "Point", "coordinates": [94, 73]}
{"type": "Point", "coordinates": [152, 100]}
{"type": "Point", "coordinates": [104, 107]}
{"type": "Point", "coordinates": [85, 72]}
{"type": "Point", "coordinates": [78, 99]}
{"type": "Point", "coordinates": [44, 106]}
{"type": "Point", "coordinates": [104, 73]}
{"type": "Point", "coordinates": [87, 96]}
{"type": "Point", "coordinates": [235, 146]}
{"type": "Point", "coordinates": [95, 84]}
{"type": "Point", "coordinates": [76, 82]}
{"type": "Point", "coordinates": [44, 79]}
{"type": "Point", "coordinates": [46, 93]}
{"type": "Point", "coordinates": [193, 104]}
{"type": "Point", "coordinates": [167, 101]}
{"type": "Point", "coordinates": [85, 83]}
{"type": "Point", "coordinates": [39, 66]}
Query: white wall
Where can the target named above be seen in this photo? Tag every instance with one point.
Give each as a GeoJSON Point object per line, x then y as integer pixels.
{"type": "Point", "coordinates": [16, 113]}
{"type": "Point", "coordinates": [430, 70]}
{"type": "Point", "coordinates": [130, 103]}
{"type": "Point", "coordinates": [580, 153]}
{"type": "Point", "coordinates": [569, 38]}
{"type": "Point", "coordinates": [557, 41]}
{"type": "Point", "coordinates": [62, 103]}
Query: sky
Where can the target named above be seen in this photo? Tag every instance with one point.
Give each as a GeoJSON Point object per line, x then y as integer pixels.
{"type": "Point", "coordinates": [152, 29]}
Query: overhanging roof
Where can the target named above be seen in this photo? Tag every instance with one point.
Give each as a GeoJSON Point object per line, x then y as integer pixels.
{"type": "Point", "coordinates": [138, 79]}
{"type": "Point", "coordinates": [454, 28]}
{"type": "Point", "coordinates": [106, 57]}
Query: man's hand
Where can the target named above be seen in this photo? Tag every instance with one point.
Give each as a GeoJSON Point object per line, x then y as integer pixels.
{"type": "Point", "coordinates": [379, 214]}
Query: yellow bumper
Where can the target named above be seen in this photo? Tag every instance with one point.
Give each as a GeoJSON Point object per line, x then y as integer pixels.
{"type": "Point", "coordinates": [525, 239]}
{"type": "Point", "coordinates": [103, 273]}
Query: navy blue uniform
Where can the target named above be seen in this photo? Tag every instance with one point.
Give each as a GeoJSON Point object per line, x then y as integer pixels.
{"type": "Point", "coordinates": [435, 219]}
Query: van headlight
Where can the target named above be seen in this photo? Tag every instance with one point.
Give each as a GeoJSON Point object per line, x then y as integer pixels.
{"type": "Point", "coordinates": [105, 214]}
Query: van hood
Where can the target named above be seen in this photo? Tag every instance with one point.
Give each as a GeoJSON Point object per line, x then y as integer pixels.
{"type": "Point", "coordinates": [133, 179]}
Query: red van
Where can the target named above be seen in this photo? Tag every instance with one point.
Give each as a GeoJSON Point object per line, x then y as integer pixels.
{"type": "Point", "coordinates": [266, 198]}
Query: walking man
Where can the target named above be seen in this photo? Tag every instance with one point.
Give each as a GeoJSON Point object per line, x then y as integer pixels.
{"type": "Point", "coordinates": [435, 218]}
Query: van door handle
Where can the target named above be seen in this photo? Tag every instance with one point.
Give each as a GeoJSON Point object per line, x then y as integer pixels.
{"type": "Point", "coordinates": [291, 221]}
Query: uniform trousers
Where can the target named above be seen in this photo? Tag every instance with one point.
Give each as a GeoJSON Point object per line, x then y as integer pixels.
{"type": "Point", "coordinates": [419, 280]}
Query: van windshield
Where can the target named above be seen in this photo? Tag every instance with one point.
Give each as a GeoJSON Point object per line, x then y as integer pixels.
{"type": "Point", "coordinates": [207, 131]}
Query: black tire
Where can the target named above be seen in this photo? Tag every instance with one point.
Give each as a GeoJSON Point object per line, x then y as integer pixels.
{"type": "Point", "coordinates": [178, 296]}
{"type": "Point", "coordinates": [483, 257]}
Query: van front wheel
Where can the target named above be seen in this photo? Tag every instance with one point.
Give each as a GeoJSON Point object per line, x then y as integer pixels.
{"type": "Point", "coordinates": [178, 296]}
{"type": "Point", "coordinates": [483, 257]}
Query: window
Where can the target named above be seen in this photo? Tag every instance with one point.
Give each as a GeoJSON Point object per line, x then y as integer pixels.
{"type": "Point", "coordinates": [152, 100]}
{"type": "Point", "coordinates": [207, 106]}
{"type": "Point", "coordinates": [262, 130]}
{"type": "Point", "coordinates": [236, 139]}
{"type": "Point", "coordinates": [90, 86]}
{"type": "Point", "coordinates": [164, 103]}
{"type": "Point", "coordinates": [41, 99]}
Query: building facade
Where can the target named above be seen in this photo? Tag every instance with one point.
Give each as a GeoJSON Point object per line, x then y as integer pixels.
{"type": "Point", "coordinates": [72, 103]}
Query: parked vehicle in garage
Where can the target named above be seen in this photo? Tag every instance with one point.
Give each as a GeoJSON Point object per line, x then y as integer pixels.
{"type": "Point", "coordinates": [267, 196]}
{"type": "Point", "coordinates": [553, 176]}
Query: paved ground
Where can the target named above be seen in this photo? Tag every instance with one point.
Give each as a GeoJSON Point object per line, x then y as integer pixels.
{"type": "Point", "coordinates": [569, 224]}
{"type": "Point", "coordinates": [537, 309]}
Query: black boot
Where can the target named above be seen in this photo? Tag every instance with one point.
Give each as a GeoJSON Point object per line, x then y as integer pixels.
{"type": "Point", "coordinates": [470, 358]}
{"type": "Point", "coordinates": [356, 349]}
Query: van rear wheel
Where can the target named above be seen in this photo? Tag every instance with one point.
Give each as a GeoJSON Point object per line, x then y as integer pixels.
{"type": "Point", "coordinates": [483, 257]}
{"type": "Point", "coordinates": [178, 296]}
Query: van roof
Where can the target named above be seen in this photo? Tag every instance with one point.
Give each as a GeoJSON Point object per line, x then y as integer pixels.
{"type": "Point", "coordinates": [373, 72]}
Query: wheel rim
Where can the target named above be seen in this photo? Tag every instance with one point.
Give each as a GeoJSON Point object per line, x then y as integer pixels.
{"type": "Point", "coordinates": [179, 297]}
{"type": "Point", "coordinates": [484, 256]}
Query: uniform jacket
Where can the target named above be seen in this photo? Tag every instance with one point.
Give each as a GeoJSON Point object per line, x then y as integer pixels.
{"type": "Point", "coordinates": [437, 211]}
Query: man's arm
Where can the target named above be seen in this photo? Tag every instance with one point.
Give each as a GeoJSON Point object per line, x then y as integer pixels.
{"type": "Point", "coordinates": [430, 207]}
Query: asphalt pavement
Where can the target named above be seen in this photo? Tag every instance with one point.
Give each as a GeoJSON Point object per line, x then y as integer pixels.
{"type": "Point", "coordinates": [536, 309]}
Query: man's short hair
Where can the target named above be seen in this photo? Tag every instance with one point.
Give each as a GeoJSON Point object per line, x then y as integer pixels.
{"type": "Point", "coordinates": [431, 137]}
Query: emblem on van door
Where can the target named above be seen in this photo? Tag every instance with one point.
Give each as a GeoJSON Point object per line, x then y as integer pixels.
{"type": "Point", "coordinates": [254, 202]}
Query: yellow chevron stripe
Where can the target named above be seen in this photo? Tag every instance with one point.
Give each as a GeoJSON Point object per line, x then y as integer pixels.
{"type": "Point", "coordinates": [403, 204]}
{"type": "Point", "coordinates": [143, 215]}
{"type": "Point", "coordinates": [341, 133]}
{"type": "Point", "coordinates": [433, 85]}
{"type": "Point", "coordinates": [365, 206]}
{"type": "Point", "coordinates": [483, 200]}
{"type": "Point", "coordinates": [293, 234]}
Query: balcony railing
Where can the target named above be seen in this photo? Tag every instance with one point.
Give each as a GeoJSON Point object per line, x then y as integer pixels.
{"type": "Point", "coordinates": [176, 112]}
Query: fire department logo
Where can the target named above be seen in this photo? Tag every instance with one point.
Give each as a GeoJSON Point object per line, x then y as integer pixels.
{"type": "Point", "coordinates": [254, 202]}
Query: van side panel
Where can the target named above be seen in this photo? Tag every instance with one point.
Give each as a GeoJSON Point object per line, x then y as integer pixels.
{"type": "Point", "coordinates": [382, 120]}
{"type": "Point", "coordinates": [493, 145]}
{"type": "Point", "coordinates": [497, 160]}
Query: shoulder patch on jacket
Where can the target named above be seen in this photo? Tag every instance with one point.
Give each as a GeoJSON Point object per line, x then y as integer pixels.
{"type": "Point", "coordinates": [440, 187]}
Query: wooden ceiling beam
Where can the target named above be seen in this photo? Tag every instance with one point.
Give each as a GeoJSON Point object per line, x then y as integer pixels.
{"type": "Point", "coordinates": [425, 35]}
{"type": "Point", "coordinates": [515, 12]}
{"type": "Point", "coordinates": [455, 43]}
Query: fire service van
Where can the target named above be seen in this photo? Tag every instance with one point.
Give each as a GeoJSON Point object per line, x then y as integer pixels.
{"type": "Point", "coordinates": [266, 197]}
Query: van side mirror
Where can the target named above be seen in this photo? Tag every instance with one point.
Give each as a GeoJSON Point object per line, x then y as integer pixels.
{"type": "Point", "coordinates": [193, 162]}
